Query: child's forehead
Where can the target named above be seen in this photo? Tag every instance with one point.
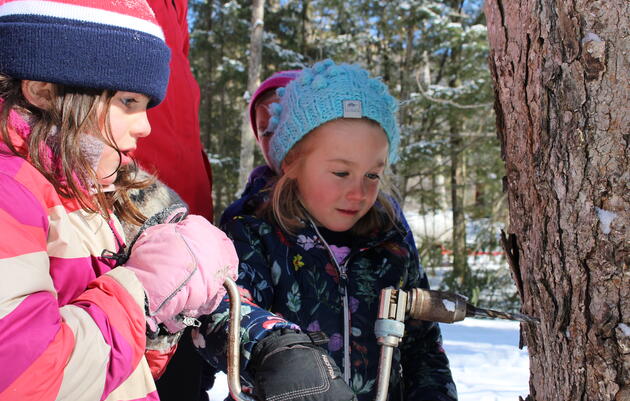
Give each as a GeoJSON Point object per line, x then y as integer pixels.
{"type": "Point", "coordinates": [344, 140]}
{"type": "Point", "coordinates": [356, 126]}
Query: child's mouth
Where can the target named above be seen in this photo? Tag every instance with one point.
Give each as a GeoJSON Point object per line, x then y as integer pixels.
{"type": "Point", "coordinates": [348, 212]}
{"type": "Point", "coordinates": [125, 156]}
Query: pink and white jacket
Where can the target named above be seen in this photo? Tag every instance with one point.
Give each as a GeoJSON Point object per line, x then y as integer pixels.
{"type": "Point", "coordinates": [71, 326]}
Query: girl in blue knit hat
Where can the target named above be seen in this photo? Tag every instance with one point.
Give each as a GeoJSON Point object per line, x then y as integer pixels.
{"type": "Point", "coordinates": [323, 242]}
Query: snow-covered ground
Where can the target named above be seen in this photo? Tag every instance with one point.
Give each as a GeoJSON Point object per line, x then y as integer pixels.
{"type": "Point", "coordinates": [485, 360]}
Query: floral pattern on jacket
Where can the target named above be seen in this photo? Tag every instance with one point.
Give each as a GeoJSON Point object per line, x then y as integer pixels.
{"type": "Point", "coordinates": [295, 277]}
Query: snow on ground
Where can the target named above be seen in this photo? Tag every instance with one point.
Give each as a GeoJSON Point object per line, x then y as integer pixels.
{"type": "Point", "coordinates": [485, 360]}
{"type": "Point", "coordinates": [220, 389]}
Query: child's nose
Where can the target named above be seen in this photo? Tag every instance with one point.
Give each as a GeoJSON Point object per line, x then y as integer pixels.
{"type": "Point", "coordinates": [357, 191]}
{"type": "Point", "coordinates": [141, 126]}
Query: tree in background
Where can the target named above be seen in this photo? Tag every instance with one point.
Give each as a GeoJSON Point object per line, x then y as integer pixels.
{"type": "Point", "coordinates": [562, 73]}
{"type": "Point", "coordinates": [246, 162]}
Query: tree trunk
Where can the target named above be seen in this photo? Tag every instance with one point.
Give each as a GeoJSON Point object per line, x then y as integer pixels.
{"type": "Point", "coordinates": [459, 278]}
{"type": "Point", "coordinates": [204, 23]}
{"type": "Point", "coordinates": [248, 141]}
{"type": "Point", "coordinates": [219, 186]}
{"type": "Point", "coordinates": [404, 113]}
{"type": "Point", "coordinates": [303, 24]}
{"type": "Point", "coordinates": [561, 72]}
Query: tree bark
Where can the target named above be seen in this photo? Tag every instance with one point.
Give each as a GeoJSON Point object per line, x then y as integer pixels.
{"type": "Point", "coordinates": [561, 74]}
{"type": "Point", "coordinates": [248, 141]}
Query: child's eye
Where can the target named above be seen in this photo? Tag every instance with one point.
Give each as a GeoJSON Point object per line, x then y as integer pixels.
{"type": "Point", "coordinates": [373, 176]}
{"type": "Point", "coordinates": [128, 101]}
{"type": "Point", "coordinates": [340, 173]}
{"type": "Point", "coordinates": [267, 133]}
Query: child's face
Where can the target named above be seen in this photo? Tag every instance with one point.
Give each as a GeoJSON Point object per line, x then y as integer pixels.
{"type": "Point", "coordinates": [262, 121]}
{"type": "Point", "coordinates": [128, 122]}
{"type": "Point", "coordinates": [339, 176]}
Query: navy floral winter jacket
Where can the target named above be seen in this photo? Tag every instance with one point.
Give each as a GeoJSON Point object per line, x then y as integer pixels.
{"type": "Point", "coordinates": [297, 279]}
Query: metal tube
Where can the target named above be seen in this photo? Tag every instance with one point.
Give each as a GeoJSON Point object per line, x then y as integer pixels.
{"type": "Point", "coordinates": [384, 369]}
{"type": "Point", "coordinates": [234, 343]}
{"type": "Point", "coordinates": [389, 329]}
{"type": "Point", "coordinates": [436, 306]}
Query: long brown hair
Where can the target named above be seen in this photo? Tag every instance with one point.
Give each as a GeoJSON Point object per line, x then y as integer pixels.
{"type": "Point", "coordinates": [73, 112]}
{"type": "Point", "coordinates": [285, 208]}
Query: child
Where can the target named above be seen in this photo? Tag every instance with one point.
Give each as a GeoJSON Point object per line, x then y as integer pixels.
{"type": "Point", "coordinates": [76, 79]}
{"type": "Point", "coordinates": [259, 107]}
{"type": "Point", "coordinates": [259, 115]}
{"type": "Point", "coordinates": [321, 245]}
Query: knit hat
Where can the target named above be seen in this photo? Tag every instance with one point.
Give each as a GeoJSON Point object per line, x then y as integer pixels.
{"type": "Point", "coordinates": [326, 92]}
{"type": "Point", "coordinates": [100, 44]}
{"type": "Point", "coordinates": [277, 80]}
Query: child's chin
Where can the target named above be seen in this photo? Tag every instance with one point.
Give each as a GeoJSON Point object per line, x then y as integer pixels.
{"type": "Point", "coordinates": [339, 227]}
{"type": "Point", "coordinates": [105, 182]}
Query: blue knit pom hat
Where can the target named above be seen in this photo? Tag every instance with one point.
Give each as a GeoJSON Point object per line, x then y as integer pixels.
{"type": "Point", "coordinates": [100, 44]}
{"type": "Point", "coordinates": [326, 92]}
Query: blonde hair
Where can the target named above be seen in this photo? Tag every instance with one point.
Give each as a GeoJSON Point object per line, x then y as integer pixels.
{"type": "Point", "coordinates": [73, 112]}
{"type": "Point", "coordinates": [285, 208]}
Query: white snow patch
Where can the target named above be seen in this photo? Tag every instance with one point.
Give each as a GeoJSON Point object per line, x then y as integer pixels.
{"type": "Point", "coordinates": [449, 305]}
{"type": "Point", "coordinates": [478, 28]}
{"type": "Point", "coordinates": [605, 219]}
{"type": "Point", "coordinates": [485, 360]}
{"type": "Point", "coordinates": [625, 329]}
{"type": "Point", "coordinates": [591, 37]}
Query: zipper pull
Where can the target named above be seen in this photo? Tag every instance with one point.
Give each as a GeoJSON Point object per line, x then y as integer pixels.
{"type": "Point", "coordinates": [343, 278]}
{"type": "Point", "coordinates": [190, 321]}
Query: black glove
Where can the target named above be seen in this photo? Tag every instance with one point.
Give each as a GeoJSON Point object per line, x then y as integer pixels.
{"type": "Point", "coordinates": [287, 366]}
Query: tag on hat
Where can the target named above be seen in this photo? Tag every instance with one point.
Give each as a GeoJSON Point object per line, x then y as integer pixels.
{"type": "Point", "coordinates": [352, 109]}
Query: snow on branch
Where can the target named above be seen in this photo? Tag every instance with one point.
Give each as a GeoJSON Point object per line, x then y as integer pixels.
{"type": "Point", "coordinates": [423, 92]}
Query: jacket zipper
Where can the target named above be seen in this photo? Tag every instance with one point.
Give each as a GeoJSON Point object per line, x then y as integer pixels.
{"type": "Point", "coordinates": [346, 320]}
{"type": "Point", "coordinates": [346, 307]}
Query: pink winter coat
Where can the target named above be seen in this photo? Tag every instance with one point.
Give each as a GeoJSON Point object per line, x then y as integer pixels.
{"type": "Point", "coordinates": [71, 327]}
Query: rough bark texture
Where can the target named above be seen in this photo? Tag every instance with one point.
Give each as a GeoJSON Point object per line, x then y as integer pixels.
{"type": "Point", "coordinates": [562, 83]}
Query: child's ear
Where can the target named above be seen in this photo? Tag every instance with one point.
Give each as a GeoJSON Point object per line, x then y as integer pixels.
{"type": "Point", "coordinates": [38, 93]}
{"type": "Point", "coordinates": [289, 165]}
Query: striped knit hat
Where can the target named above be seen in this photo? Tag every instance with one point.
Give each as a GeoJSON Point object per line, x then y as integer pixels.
{"type": "Point", "coordinates": [100, 44]}
{"type": "Point", "coordinates": [324, 93]}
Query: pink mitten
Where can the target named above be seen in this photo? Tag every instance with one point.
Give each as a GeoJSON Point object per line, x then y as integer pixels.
{"type": "Point", "coordinates": [182, 267]}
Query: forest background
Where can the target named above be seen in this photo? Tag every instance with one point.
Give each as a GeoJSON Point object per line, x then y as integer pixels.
{"type": "Point", "coordinates": [433, 57]}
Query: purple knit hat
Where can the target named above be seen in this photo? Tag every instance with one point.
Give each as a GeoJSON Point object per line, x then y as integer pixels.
{"type": "Point", "coordinates": [278, 80]}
